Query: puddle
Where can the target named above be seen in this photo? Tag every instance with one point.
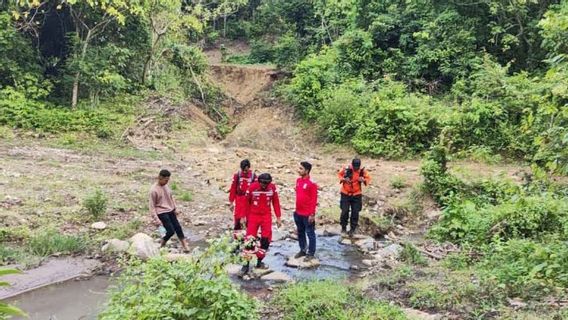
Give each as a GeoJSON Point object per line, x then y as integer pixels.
{"type": "Point", "coordinates": [336, 261]}
{"type": "Point", "coordinates": [71, 300]}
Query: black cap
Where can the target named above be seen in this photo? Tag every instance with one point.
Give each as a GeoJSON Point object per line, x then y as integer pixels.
{"type": "Point", "coordinates": [265, 178]}
{"type": "Point", "coordinates": [356, 163]}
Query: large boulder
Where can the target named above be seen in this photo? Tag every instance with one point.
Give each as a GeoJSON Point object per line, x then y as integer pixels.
{"type": "Point", "coordinates": [142, 246]}
{"type": "Point", "coordinates": [115, 246]}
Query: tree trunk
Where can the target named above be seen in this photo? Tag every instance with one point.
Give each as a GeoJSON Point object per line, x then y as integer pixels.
{"type": "Point", "coordinates": [224, 26]}
{"type": "Point", "coordinates": [75, 95]}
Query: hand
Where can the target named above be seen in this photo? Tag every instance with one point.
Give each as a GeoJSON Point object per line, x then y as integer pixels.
{"type": "Point", "coordinates": [156, 221]}
{"type": "Point", "coordinates": [361, 179]}
{"type": "Point", "coordinates": [312, 219]}
{"type": "Point", "coordinates": [232, 207]}
{"type": "Point", "coordinates": [243, 221]}
{"type": "Point", "coordinates": [278, 222]}
{"type": "Point", "coordinates": [346, 179]}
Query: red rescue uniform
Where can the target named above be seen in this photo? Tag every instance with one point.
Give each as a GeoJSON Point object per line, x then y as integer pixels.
{"type": "Point", "coordinates": [237, 194]}
{"type": "Point", "coordinates": [260, 211]}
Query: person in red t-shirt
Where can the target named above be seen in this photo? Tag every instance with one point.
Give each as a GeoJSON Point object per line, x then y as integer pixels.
{"type": "Point", "coordinates": [237, 194]}
{"type": "Point", "coordinates": [261, 196]}
{"type": "Point", "coordinates": [305, 213]}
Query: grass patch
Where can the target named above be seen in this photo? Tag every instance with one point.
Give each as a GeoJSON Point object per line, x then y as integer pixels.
{"type": "Point", "coordinates": [49, 241]}
{"type": "Point", "coordinates": [411, 255]}
{"type": "Point", "coordinates": [96, 204]}
{"type": "Point", "coordinates": [331, 300]}
{"type": "Point", "coordinates": [398, 182]}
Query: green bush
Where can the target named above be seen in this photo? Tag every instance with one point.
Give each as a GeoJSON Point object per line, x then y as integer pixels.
{"type": "Point", "coordinates": [96, 204]}
{"type": "Point", "coordinates": [193, 288]}
{"type": "Point", "coordinates": [411, 255]}
{"type": "Point", "coordinates": [49, 241]}
{"type": "Point", "coordinates": [331, 300]}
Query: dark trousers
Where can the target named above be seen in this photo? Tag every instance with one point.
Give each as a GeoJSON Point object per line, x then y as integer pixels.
{"type": "Point", "coordinates": [353, 203]}
{"type": "Point", "coordinates": [171, 223]}
{"type": "Point", "coordinates": [306, 228]}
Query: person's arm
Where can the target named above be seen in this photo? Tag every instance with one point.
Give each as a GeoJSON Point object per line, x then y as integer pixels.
{"type": "Point", "coordinates": [340, 174]}
{"type": "Point", "coordinates": [366, 177]}
{"type": "Point", "coordinates": [153, 199]}
{"type": "Point", "coordinates": [276, 205]}
{"type": "Point", "coordinates": [233, 190]}
{"type": "Point", "coordinates": [313, 198]}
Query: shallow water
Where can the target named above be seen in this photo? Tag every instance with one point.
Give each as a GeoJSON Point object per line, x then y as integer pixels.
{"type": "Point", "coordinates": [71, 300]}
{"type": "Point", "coordinates": [84, 299]}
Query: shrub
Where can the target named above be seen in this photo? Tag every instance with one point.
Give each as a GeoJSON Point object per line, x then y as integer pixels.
{"type": "Point", "coordinates": [7, 310]}
{"type": "Point", "coordinates": [331, 300]}
{"type": "Point", "coordinates": [50, 241]}
{"type": "Point", "coordinates": [96, 204]}
{"type": "Point", "coordinates": [411, 255]}
{"type": "Point", "coordinates": [193, 288]}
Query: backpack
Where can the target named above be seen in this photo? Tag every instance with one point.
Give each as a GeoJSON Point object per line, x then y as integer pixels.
{"type": "Point", "coordinates": [250, 180]}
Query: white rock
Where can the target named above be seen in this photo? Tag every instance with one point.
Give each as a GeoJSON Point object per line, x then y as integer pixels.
{"type": "Point", "coordinates": [345, 241]}
{"type": "Point", "coordinates": [233, 269]}
{"type": "Point", "coordinates": [199, 223]}
{"type": "Point", "coordinates": [413, 314]}
{"type": "Point", "coordinates": [115, 245]}
{"type": "Point", "coordinates": [369, 262]}
{"type": "Point", "coordinates": [99, 225]}
{"type": "Point", "coordinates": [276, 276]}
{"type": "Point", "coordinates": [177, 257]}
{"type": "Point", "coordinates": [390, 251]}
{"type": "Point", "coordinates": [143, 246]}
{"type": "Point", "coordinates": [330, 230]}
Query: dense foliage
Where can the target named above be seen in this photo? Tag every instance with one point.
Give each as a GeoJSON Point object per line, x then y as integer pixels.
{"type": "Point", "coordinates": [391, 78]}
{"type": "Point", "coordinates": [519, 231]}
{"type": "Point", "coordinates": [197, 287]}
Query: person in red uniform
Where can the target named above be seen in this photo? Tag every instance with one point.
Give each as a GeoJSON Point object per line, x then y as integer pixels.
{"type": "Point", "coordinates": [261, 198]}
{"type": "Point", "coordinates": [352, 178]}
{"type": "Point", "coordinates": [305, 213]}
{"type": "Point", "coordinates": [242, 179]}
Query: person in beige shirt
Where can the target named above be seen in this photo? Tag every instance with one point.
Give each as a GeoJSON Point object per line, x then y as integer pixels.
{"type": "Point", "coordinates": [163, 209]}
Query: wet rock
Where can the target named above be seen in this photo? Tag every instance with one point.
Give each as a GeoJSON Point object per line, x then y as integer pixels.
{"type": "Point", "coordinates": [276, 276]}
{"type": "Point", "coordinates": [99, 225]}
{"type": "Point", "coordinates": [115, 245]}
{"type": "Point", "coordinates": [259, 273]}
{"type": "Point", "coordinates": [389, 252]}
{"type": "Point", "coordinates": [302, 263]}
{"type": "Point", "coordinates": [366, 244]}
{"type": "Point", "coordinates": [330, 230]}
{"type": "Point", "coordinates": [354, 267]}
{"type": "Point", "coordinates": [143, 246]}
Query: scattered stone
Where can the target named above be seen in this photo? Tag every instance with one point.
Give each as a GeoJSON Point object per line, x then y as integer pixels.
{"type": "Point", "coordinates": [99, 225]}
{"type": "Point", "coordinates": [366, 244]}
{"type": "Point", "coordinates": [413, 314]}
{"type": "Point", "coordinates": [345, 241]}
{"type": "Point", "coordinates": [369, 262]}
{"type": "Point", "coordinates": [199, 223]}
{"type": "Point", "coordinates": [115, 245]}
{"type": "Point", "coordinates": [302, 263]}
{"type": "Point", "coordinates": [143, 246]}
{"type": "Point", "coordinates": [259, 273]}
{"type": "Point", "coordinates": [391, 251]}
{"type": "Point", "coordinates": [517, 303]}
{"type": "Point", "coordinates": [233, 269]}
{"type": "Point", "coordinates": [354, 267]}
{"type": "Point", "coordinates": [277, 276]}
